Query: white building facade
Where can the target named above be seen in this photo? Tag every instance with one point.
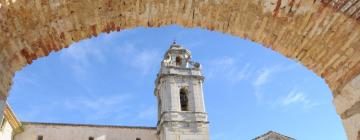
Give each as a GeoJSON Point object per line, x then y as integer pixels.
{"type": "Point", "coordinates": [9, 125]}
{"type": "Point", "coordinates": [181, 110]}
{"type": "Point", "coordinates": [57, 131]}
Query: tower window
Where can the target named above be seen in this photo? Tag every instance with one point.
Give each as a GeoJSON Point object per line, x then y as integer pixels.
{"type": "Point", "coordinates": [184, 99]}
{"type": "Point", "coordinates": [138, 139]}
{"type": "Point", "coordinates": [91, 138]}
{"type": "Point", "coordinates": [40, 137]}
{"type": "Point", "coordinates": [178, 61]}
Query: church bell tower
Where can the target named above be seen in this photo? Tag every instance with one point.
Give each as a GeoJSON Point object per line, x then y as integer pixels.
{"type": "Point", "coordinates": [179, 92]}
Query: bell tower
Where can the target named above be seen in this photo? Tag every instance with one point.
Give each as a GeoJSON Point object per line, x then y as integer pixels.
{"type": "Point", "coordinates": [179, 92]}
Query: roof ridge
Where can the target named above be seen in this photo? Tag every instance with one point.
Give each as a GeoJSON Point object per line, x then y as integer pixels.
{"type": "Point", "coordinates": [282, 134]}
{"type": "Point", "coordinates": [90, 125]}
{"type": "Point", "coordinates": [271, 131]}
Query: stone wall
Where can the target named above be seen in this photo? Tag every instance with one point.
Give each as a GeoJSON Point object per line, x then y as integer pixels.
{"type": "Point", "coordinates": [348, 107]}
{"type": "Point", "coordinates": [9, 125]}
{"type": "Point", "coordinates": [83, 132]}
{"type": "Point", "coordinates": [6, 131]}
{"type": "Point", "coordinates": [323, 35]}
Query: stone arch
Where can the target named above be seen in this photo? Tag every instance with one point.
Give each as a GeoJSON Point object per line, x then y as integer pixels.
{"type": "Point", "coordinates": [323, 35]}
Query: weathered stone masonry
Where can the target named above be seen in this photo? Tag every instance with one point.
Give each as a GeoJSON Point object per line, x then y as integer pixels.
{"type": "Point", "coordinates": [323, 35]}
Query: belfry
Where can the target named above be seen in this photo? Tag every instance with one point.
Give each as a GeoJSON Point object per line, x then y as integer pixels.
{"type": "Point", "coordinates": [179, 92]}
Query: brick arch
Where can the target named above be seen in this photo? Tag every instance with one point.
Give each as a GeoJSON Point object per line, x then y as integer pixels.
{"type": "Point", "coordinates": [323, 35]}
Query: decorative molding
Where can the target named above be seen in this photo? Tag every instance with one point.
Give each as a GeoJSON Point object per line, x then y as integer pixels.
{"type": "Point", "coordinates": [87, 125]}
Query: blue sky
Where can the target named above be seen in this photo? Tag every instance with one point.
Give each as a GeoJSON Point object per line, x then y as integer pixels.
{"type": "Point", "coordinates": [109, 79]}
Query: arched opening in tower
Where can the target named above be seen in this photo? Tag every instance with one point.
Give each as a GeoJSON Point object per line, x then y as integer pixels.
{"type": "Point", "coordinates": [184, 101]}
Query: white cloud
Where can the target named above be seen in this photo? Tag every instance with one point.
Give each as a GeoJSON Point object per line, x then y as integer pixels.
{"type": "Point", "coordinates": [265, 74]}
{"type": "Point", "coordinates": [80, 58]}
{"type": "Point", "coordinates": [224, 61]}
{"type": "Point", "coordinates": [294, 98]}
{"type": "Point", "coordinates": [145, 61]}
{"type": "Point", "coordinates": [126, 49]}
{"type": "Point", "coordinates": [142, 59]}
{"type": "Point", "coordinates": [82, 54]}
{"type": "Point", "coordinates": [297, 97]}
{"type": "Point", "coordinates": [263, 77]}
{"type": "Point", "coordinates": [229, 69]}
{"type": "Point", "coordinates": [258, 95]}
{"type": "Point", "coordinates": [244, 73]}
